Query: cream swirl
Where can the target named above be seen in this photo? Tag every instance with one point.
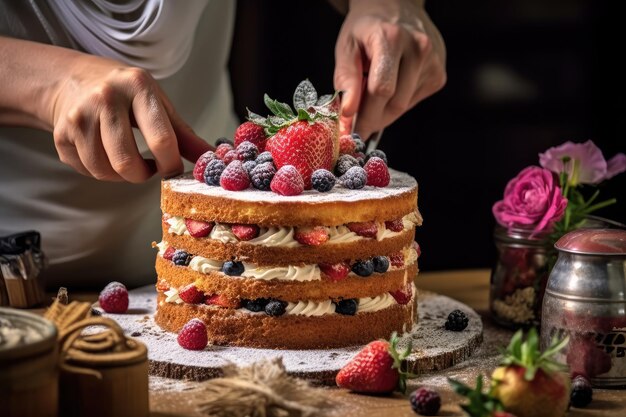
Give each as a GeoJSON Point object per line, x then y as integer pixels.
{"type": "Point", "coordinates": [162, 246]}
{"type": "Point", "coordinates": [341, 234]}
{"type": "Point", "coordinates": [205, 265]}
{"type": "Point", "coordinates": [177, 225]}
{"type": "Point", "coordinates": [276, 236]}
{"type": "Point", "coordinates": [283, 273]}
{"type": "Point", "coordinates": [171, 296]}
{"type": "Point", "coordinates": [223, 233]}
{"type": "Point", "coordinates": [380, 302]}
{"type": "Point", "coordinates": [310, 308]}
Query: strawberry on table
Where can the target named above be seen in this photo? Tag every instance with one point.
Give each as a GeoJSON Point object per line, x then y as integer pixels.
{"type": "Point", "coordinates": [198, 228]}
{"type": "Point", "coordinates": [312, 236]}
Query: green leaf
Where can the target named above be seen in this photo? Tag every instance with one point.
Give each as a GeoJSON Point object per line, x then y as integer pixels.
{"type": "Point", "coordinates": [304, 115]}
{"type": "Point", "coordinates": [325, 99]}
{"type": "Point", "coordinates": [257, 119]}
{"type": "Point", "coordinates": [305, 95]}
{"type": "Point", "coordinates": [271, 104]}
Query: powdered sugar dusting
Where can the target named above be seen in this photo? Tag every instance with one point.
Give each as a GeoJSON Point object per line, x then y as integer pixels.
{"type": "Point", "coordinates": [401, 183]}
{"type": "Point", "coordinates": [430, 341]}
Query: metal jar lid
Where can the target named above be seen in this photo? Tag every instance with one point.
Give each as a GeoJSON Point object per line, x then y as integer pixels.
{"type": "Point", "coordinates": [605, 242]}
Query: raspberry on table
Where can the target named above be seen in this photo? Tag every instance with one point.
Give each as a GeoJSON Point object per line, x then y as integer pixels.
{"type": "Point", "coordinates": [262, 175]}
{"type": "Point", "coordinates": [193, 335]}
{"type": "Point", "coordinates": [181, 258]}
{"type": "Point", "coordinates": [233, 268]}
{"type": "Point", "coordinates": [347, 307]}
{"type": "Point", "coordinates": [582, 393]}
{"type": "Point", "coordinates": [323, 180]}
{"type": "Point", "coordinates": [213, 171]}
{"type": "Point", "coordinates": [287, 181]}
{"type": "Point", "coordinates": [114, 298]}
{"type": "Point", "coordinates": [346, 145]}
{"type": "Point", "coordinates": [219, 141]}
{"type": "Point", "coordinates": [344, 163]}
{"type": "Point", "coordinates": [275, 308]}
{"type": "Point", "coordinates": [247, 151]}
{"type": "Point", "coordinates": [201, 163]}
{"type": "Point", "coordinates": [264, 157]}
{"type": "Point", "coordinates": [377, 172]}
{"type": "Point", "coordinates": [255, 305]}
{"type": "Point", "coordinates": [355, 178]}
{"type": "Point", "coordinates": [234, 177]}
{"type": "Point", "coordinates": [457, 321]}
{"type": "Point", "coordinates": [363, 268]}
{"type": "Point", "coordinates": [425, 401]}
{"type": "Point", "coordinates": [223, 149]}
{"type": "Point", "coordinates": [229, 157]}
{"type": "Point", "coordinates": [381, 264]}
{"type": "Point", "coordinates": [249, 166]}
{"type": "Point", "coordinates": [377, 153]}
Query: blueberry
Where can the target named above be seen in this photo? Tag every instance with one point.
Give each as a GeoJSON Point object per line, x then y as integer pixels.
{"type": "Point", "coordinates": [255, 305]}
{"type": "Point", "coordinates": [275, 308]}
{"type": "Point", "coordinates": [344, 163]}
{"type": "Point", "coordinates": [323, 180]}
{"type": "Point", "coordinates": [264, 157]}
{"type": "Point", "coordinates": [377, 152]}
{"type": "Point", "coordinates": [355, 178]}
{"type": "Point", "coordinates": [347, 307]}
{"type": "Point", "coordinates": [360, 145]}
{"type": "Point", "coordinates": [261, 176]}
{"type": "Point", "coordinates": [213, 171]}
{"type": "Point", "coordinates": [363, 268]}
{"type": "Point", "coordinates": [582, 393]}
{"type": "Point", "coordinates": [381, 263]}
{"type": "Point", "coordinates": [181, 258]}
{"type": "Point", "coordinates": [232, 268]}
{"type": "Point", "coordinates": [249, 166]}
{"type": "Point", "coordinates": [224, 140]}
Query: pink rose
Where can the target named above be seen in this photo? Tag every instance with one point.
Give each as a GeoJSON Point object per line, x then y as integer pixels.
{"type": "Point", "coordinates": [532, 198]}
{"type": "Point", "coordinates": [584, 163]}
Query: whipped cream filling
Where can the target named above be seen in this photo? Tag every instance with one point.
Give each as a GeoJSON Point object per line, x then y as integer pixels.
{"type": "Point", "coordinates": [171, 296]}
{"type": "Point", "coordinates": [283, 236]}
{"type": "Point", "coordinates": [310, 308]}
{"type": "Point", "coordinates": [380, 302]}
{"type": "Point", "coordinates": [284, 273]}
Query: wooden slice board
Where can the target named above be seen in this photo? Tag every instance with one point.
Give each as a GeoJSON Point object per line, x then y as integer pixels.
{"type": "Point", "coordinates": [434, 348]}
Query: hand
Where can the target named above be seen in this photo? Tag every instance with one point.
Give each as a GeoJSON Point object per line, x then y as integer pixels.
{"type": "Point", "coordinates": [93, 111]}
{"type": "Point", "coordinates": [389, 56]}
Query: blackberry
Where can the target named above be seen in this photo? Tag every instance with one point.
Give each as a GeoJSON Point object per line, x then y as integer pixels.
{"type": "Point", "coordinates": [377, 152]}
{"type": "Point", "coordinates": [360, 145]}
{"type": "Point", "coordinates": [275, 308]}
{"type": "Point", "coordinates": [249, 166]}
{"type": "Point", "coordinates": [323, 180]}
{"type": "Point", "coordinates": [181, 258]}
{"type": "Point", "coordinates": [232, 268]}
{"type": "Point", "coordinates": [457, 321]}
{"type": "Point", "coordinates": [255, 305]}
{"type": "Point", "coordinates": [264, 157]}
{"type": "Point", "coordinates": [582, 394]}
{"type": "Point", "coordinates": [247, 151]}
{"type": "Point", "coordinates": [224, 140]}
{"type": "Point", "coordinates": [344, 163]}
{"type": "Point", "coordinates": [363, 268]}
{"type": "Point", "coordinates": [347, 307]}
{"type": "Point", "coordinates": [381, 264]}
{"type": "Point", "coordinates": [261, 176]}
{"type": "Point", "coordinates": [425, 401]}
{"type": "Point", "coordinates": [213, 171]}
{"type": "Point", "coordinates": [355, 178]}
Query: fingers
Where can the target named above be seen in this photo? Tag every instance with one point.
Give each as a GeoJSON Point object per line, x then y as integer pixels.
{"type": "Point", "coordinates": [348, 74]}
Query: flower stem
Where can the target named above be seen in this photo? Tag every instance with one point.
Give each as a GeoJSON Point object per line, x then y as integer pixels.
{"type": "Point", "coordinates": [599, 205]}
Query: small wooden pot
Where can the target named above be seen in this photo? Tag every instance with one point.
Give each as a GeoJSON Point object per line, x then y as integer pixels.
{"type": "Point", "coordinates": [29, 372]}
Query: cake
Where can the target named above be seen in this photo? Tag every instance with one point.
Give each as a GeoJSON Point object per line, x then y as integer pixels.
{"type": "Point", "coordinates": [332, 265]}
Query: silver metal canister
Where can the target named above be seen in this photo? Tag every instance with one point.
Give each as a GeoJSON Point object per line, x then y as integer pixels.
{"type": "Point", "coordinates": [586, 299]}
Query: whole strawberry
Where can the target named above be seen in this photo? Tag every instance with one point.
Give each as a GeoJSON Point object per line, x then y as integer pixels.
{"type": "Point", "coordinates": [114, 298]}
{"type": "Point", "coordinates": [376, 369]}
{"type": "Point", "coordinates": [250, 132]}
{"type": "Point", "coordinates": [480, 404]}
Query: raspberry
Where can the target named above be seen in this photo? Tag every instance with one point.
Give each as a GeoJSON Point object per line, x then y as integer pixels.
{"type": "Point", "coordinates": [403, 295]}
{"type": "Point", "coordinates": [417, 248]}
{"type": "Point", "coordinates": [425, 401]}
{"type": "Point", "coordinates": [233, 268]}
{"type": "Point", "coordinates": [336, 272]}
{"type": "Point", "coordinates": [582, 394]}
{"type": "Point", "coordinates": [229, 157]}
{"type": "Point", "coordinates": [262, 175]}
{"type": "Point", "coordinates": [234, 177]}
{"type": "Point", "coordinates": [358, 143]}
{"type": "Point", "coordinates": [245, 231]}
{"type": "Point", "coordinates": [355, 178]}
{"type": "Point", "coordinates": [275, 308]}
{"type": "Point", "coordinates": [198, 228]}
{"type": "Point", "coordinates": [222, 149]}
{"type": "Point", "coordinates": [377, 172]}
{"type": "Point", "coordinates": [224, 140]}
{"type": "Point", "coordinates": [377, 153]}
{"type": "Point", "coordinates": [247, 151]}
{"type": "Point", "coordinates": [249, 166]}
{"type": "Point", "coordinates": [323, 180]}
{"type": "Point", "coordinates": [181, 258]}
{"type": "Point", "coordinates": [203, 160]}
{"type": "Point", "coordinates": [311, 236]}
{"type": "Point", "coordinates": [114, 298]}
{"type": "Point", "coordinates": [250, 132]}
{"type": "Point", "coordinates": [396, 225]}
{"type": "Point", "coordinates": [381, 264]}
{"type": "Point", "coordinates": [255, 305]}
{"type": "Point", "coordinates": [190, 294]}
{"type": "Point", "coordinates": [347, 307]}
{"type": "Point", "coordinates": [364, 229]}
{"type": "Point", "coordinates": [287, 181]}
{"type": "Point", "coordinates": [457, 321]}
{"type": "Point", "coordinates": [264, 157]}
{"type": "Point", "coordinates": [397, 259]}
{"type": "Point", "coordinates": [363, 268]}
{"type": "Point", "coordinates": [346, 145]}
{"type": "Point", "coordinates": [213, 171]}
{"type": "Point", "coordinates": [193, 335]}
{"type": "Point", "coordinates": [344, 163]}
{"type": "Point", "coordinates": [169, 252]}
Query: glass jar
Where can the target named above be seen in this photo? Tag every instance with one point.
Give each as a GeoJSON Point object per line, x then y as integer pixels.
{"type": "Point", "coordinates": [519, 278]}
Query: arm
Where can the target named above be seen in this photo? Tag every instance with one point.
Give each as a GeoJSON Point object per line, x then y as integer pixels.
{"type": "Point", "coordinates": [90, 104]}
{"type": "Point", "coordinates": [401, 52]}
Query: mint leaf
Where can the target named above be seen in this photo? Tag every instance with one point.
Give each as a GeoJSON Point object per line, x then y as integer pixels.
{"type": "Point", "coordinates": [304, 115]}
{"type": "Point", "coordinates": [305, 95]}
{"type": "Point", "coordinates": [256, 119]}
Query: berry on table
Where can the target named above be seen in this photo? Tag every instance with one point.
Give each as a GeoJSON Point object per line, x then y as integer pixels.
{"type": "Point", "coordinates": [344, 163]}
{"type": "Point", "coordinates": [275, 308]}
{"type": "Point", "coordinates": [229, 157]}
{"type": "Point", "coordinates": [247, 151]}
{"type": "Point", "coordinates": [250, 132]}
{"type": "Point", "coordinates": [425, 401]}
{"type": "Point", "coordinates": [346, 145]}
{"type": "Point", "coordinates": [234, 177]}
{"type": "Point", "coordinates": [287, 181]}
{"type": "Point", "coordinates": [358, 143]}
{"type": "Point", "coordinates": [311, 236]}
{"type": "Point", "coordinates": [323, 180]}
{"type": "Point", "coordinates": [223, 149]}
{"type": "Point", "coordinates": [190, 294]}
{"type": "Point", "coordinates": [233, 268]}
{"type": "Point", "coordinates": [262, 176]}
{"type": "Point", "coordinates": [264, 157]}
{"type": "Point", "coordinates": [255, 305]}
{"type": "Point", "coordinates": [457, 321]}
{"type": "Point", "coordinates": [336, 272]}
{"type": "Point", "coordinates": [213, 171]}
{"type": "Point", "coordinates": [224, 140]}
{"type": "Point", "coordinates": [381, 264]}
{"type": "Point", "coordinates": [377, 172]}
{"type": "Point", "coordinates": [193, 335]}
{"type": "Point", "coordinates": [198, 228]}
{"type": "Point", "coordinates": [201, 163]}
{"type": "Point", "coordinates": [249, 166]}
{"type": "Point", "coordinates": [355, 178]}
{"type": "Point", "coordinates": [114, 298]}
{"type": "Point", "coordinates": [181, 258]}
{"type": "Point", "coordinates": [347, 307]}
{"type": "Point", "coordinates": [582, 394]}
{"type": "Point", "coordinates": [245, 232]}
{"type": "Point", "coordinates": [363, 268]}
{"type": "Point", "coordinates": [377, 153]}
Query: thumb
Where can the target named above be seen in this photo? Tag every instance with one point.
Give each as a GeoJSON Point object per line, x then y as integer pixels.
{"type": "Point", "coordinates": [348, 76]}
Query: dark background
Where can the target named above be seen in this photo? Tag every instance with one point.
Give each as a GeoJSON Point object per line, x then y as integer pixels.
{"type": "Point", "coordinates": [522, 76]}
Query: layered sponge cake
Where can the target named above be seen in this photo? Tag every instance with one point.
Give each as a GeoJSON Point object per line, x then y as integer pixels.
{"type": "Point", "coordinates": [264, 266]}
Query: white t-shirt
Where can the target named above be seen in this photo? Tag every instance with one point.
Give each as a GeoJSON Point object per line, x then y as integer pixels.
{"type": "Point", "coordinates": [94, 232]}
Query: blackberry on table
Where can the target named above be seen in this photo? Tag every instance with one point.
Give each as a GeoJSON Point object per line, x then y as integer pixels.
{"type": "Point", "coordinates": [213, 171]}
{"type": "Point", "coordinates": [181, 258]}
{"type": "Point", "coordinates": [355, 178]}
{"type": "Point", "coordinates": [347, 307]}
{"type": "Point", "coordinates": [344, 163]}
{"type": "Point", "coordinates": [425, 401]}
{"type": "Point", "coordinates": [323, 180]}
{"type": "Point", "coordinates": [582, 394]}
{"type": "Point", "coordinates": [276, 308]}
{"type": "Point", "coordinates": [261, 176]}
{"type": "Point", "coordinates": [457, 321]}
